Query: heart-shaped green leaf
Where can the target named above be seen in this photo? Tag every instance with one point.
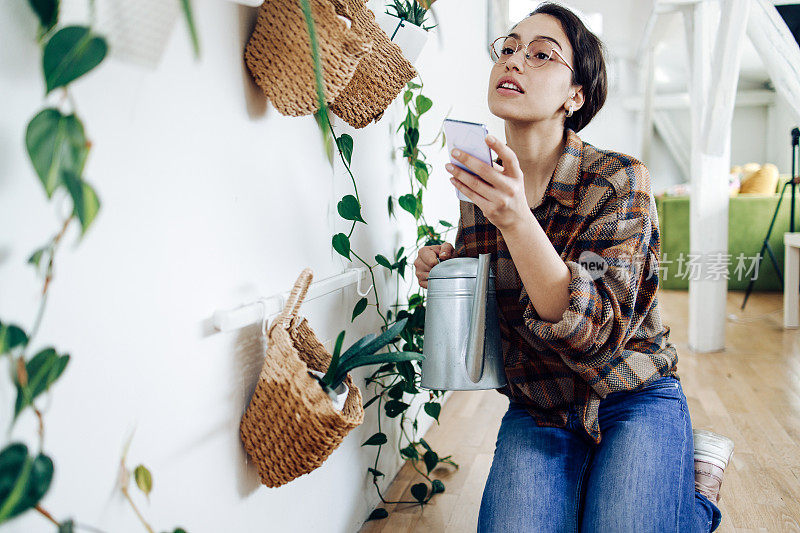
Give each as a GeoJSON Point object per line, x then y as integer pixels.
{"type": "Point", "coordinates": [378, 514]}
{"type": "Point", "coordinates": [24, 480]}
{"type": "Point", "coordinates": [419, 491]}
{"type": "Point", "coordinates": [85, 203]}
{"type": "Point", "coordinates": [341, 243]}
{"type": "Point", "coordinates": [11, 336]}
{"type": "Point", "coordinates": [349, 208]}
{"type": "Point", "coordinates": [345, 144]}
{"type": "Point", "coordinates": [431, 459]}
{"type": "Point", "coordinates": [359, 308]}
{"type": "Point", "coordinates": [55, 143]}
{"type": "Point", "coordinates": [423, 104]}
{"type": "Point", "coordinates": [69, 54]}
{"type": "Point", "coordinates": [394, 408]}
{"type": "Point", "coordinates": [433, 409]}
{"type": "Point", "coordinates": [438, 486]}
{"type": "Point", "coordinates": [43, 370]}
{"type": "Point", "coordinates": [376, 440]}
{"type": "Point", "coordinates": [409, 203]}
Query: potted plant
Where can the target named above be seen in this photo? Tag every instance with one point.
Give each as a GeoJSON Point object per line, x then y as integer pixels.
{"type": "Point", "coordinates": [361, 353]}
{"type": "Point", "coordinates": [405, 26]}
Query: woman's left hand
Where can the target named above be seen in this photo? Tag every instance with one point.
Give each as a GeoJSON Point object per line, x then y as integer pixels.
{"type": "Point", "coordinates": [501, 193]}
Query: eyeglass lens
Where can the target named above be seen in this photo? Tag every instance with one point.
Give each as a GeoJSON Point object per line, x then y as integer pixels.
{"type": "Point", "coordinates": [537, 54]}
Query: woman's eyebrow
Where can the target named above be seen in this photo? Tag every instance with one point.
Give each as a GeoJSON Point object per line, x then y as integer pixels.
{"type": "Point", "coordinates": [545, 37]}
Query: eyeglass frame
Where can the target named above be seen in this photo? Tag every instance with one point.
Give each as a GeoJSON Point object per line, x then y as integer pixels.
{"type": "Point", "coordinates": [519, 45]}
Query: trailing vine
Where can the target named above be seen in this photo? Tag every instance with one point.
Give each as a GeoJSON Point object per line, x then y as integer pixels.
{"type": "Point", "coordinates": [392, 381]}
{"type": "Point", "coordinates": [58, 148]}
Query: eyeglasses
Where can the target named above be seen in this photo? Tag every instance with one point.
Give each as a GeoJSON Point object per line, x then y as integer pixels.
{"type": "Point", "coordinates": [537, 53]}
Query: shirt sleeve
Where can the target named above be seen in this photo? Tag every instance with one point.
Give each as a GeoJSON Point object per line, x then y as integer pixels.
{"type": "Point", "coordinates": [459, 245]}
{"type": "Point", "coordinates": [608, 294]}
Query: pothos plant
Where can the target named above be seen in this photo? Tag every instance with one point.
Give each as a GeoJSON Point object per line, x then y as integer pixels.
{"type": "Point", "coordinates": [58, 148]}
{"type": "Point", "coordinates": [394, 380]}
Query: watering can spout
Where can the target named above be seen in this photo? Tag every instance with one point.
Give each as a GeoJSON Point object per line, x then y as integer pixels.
{"type": "Point", "coordinates": [474, 359]}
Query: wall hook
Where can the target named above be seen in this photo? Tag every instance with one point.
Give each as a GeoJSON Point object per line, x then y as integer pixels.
{"type": "Point", "coordinates": [359, 271]}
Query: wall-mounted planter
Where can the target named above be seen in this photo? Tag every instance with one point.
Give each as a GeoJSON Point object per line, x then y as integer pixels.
{"type": "Point", "coordinates": [286, 76]}
{"type": "Point", "coordinates": [409, 37]}
{"type": "Point", "coordinates": [290, 425]}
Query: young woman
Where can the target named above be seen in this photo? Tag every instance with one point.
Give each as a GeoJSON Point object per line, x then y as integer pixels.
{"type": "Point", "coordinates": [597, 436]}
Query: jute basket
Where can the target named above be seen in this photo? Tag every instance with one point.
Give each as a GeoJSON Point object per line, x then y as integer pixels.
{"type": "Point", "coordinates": [290, 426]}
{"type": "Point", "coordinates": [278, 53]}
{"type": "Point", "coordinates": [381, 74]}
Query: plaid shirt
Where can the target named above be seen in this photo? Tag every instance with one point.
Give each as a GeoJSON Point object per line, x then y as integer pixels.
{"type": "Point", "coordinates": [610, 337]}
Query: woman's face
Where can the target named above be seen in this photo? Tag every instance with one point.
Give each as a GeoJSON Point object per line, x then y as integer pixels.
{"type": "Point", "coordinates": [547, 90]}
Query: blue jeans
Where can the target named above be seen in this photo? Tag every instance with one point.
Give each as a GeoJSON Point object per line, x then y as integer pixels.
{"type": "Point", "coordinates": [639, 478]}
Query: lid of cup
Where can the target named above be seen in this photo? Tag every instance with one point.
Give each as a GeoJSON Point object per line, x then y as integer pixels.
{"type": "Point", "coordinates": [457, 267]}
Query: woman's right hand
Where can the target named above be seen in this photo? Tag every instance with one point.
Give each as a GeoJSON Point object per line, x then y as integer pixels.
{"type": "Point", "coordinates": [428, 257]}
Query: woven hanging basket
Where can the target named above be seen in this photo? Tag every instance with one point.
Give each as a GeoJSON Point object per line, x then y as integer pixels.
{"type": "Point", "coordinates": [278, 53]}
{"type": "Point", "coordinates": [380, 76]}
{"type": "Point", "coordinates": [290, 426]}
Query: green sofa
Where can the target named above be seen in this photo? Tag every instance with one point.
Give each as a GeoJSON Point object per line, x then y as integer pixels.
{"type": "Point", "coordinates": [748, 221]}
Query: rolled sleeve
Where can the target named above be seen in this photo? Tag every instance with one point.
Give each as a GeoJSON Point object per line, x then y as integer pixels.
{"type": "Point", "coordinates": [606, 305]}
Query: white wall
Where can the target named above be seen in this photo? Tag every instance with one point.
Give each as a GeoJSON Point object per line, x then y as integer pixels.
{"type": "Point", "coordinates": [204, 206]}
{"type": "Point", "coordinates": [211, 199]}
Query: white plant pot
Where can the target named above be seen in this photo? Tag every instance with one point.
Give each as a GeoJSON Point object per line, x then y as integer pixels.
{"type": "Point", "coordinates": [341, 391]}
{"type": "Point", "coordinates": [409, 37]}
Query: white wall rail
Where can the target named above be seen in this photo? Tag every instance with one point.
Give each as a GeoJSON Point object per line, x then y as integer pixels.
{"type": "Point", "coordinates": [259, 310]}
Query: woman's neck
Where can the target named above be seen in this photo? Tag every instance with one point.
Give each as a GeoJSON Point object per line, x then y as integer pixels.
{"type": "Point", "coordinates": [538, 146]}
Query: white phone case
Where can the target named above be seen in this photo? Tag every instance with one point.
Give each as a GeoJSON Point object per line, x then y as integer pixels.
{"type": "Point", "coordinates": [469, 138]}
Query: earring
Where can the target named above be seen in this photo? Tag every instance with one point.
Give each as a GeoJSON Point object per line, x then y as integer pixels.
{"type": "Point", "coordinates": [570, 111]}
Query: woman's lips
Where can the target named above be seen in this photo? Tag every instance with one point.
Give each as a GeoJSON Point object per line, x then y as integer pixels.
{"type": "Point", "coordinates": [509, 92]}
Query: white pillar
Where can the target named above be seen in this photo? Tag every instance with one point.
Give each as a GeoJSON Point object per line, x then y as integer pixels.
{"type": "Point", "coordinates": [714, 71]}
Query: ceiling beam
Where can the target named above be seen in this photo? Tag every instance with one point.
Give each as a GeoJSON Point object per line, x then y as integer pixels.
{"type": "Point", "coordinates": [778, 50]}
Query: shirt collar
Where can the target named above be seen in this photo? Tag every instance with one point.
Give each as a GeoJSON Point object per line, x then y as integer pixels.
{"type": "Point", "coordinates": [563, 184]}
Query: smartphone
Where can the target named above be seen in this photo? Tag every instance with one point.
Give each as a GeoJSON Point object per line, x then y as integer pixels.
{"type": "Point", "coordinates": [469, 137]}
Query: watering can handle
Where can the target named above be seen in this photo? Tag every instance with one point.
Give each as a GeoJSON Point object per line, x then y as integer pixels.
{"type": "Point", "coordinates": [477, 324]}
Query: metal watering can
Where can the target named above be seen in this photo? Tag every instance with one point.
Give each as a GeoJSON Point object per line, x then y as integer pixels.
{"type": "Point", "coordinates": [461, 343]}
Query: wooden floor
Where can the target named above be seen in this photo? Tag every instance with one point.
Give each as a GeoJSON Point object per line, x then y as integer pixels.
{"type": "Point", "coordinates": [749, 392]}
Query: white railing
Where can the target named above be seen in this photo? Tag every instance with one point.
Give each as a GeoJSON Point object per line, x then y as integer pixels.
{"type": "Point", "coordinates": [259, 310]}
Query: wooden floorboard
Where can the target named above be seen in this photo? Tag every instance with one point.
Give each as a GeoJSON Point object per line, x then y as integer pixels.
{"type": "Point", "coordinates": [750, 391]}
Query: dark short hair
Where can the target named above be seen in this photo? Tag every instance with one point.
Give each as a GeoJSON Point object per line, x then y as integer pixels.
{"type": "Point", "coordinates": [588, 63]}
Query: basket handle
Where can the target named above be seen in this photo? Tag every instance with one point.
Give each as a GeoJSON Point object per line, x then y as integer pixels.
{"type": "Point", "coordinates": [296, 297]}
